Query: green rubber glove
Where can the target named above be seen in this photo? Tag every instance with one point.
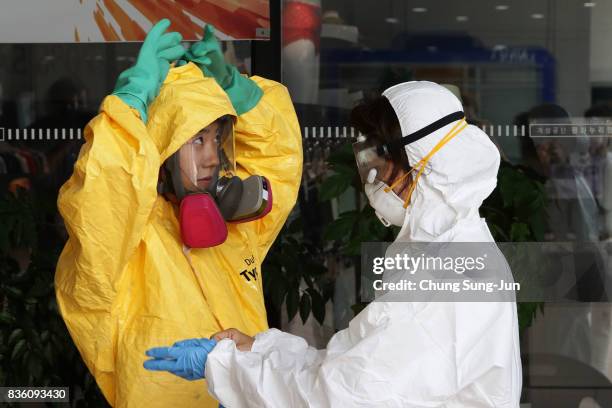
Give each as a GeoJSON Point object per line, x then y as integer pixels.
{"type": "Point", "coordinates": [207, 54]}
{"type": "Point", "coordinates": [139, 85]}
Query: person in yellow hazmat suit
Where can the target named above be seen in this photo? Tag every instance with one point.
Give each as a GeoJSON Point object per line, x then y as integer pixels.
{"type": "Point", "coordinates": [158, 246]}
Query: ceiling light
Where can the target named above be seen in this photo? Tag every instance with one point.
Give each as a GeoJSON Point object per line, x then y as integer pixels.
{"type": "Point", "coordinates": [419, 9]}
{"type": "Point", "coordinates": [537, 16]}
{"type": "Point", "coordinates": [502, 7]}
{"type": "Point", "coordinates": [499, 47]}
{"type": "Point", "coordinates": [462, 18]}
{"type": "Point", "coordinates": [590, 4]}
{"type": "Point", "coordinates": [391, 20]}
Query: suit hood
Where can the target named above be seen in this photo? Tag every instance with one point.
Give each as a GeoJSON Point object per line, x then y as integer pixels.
{"type": "Point", "coordinates": [187, 102]}
{"type": "Point", "coordinates": [458, 178]}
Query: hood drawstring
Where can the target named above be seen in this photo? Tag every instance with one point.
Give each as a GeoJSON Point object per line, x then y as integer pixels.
{"type": "Point", "coordinates": [420, 166]}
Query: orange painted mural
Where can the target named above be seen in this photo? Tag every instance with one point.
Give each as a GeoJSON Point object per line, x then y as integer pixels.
{"type": "Point", "coordinates": [129, 20]}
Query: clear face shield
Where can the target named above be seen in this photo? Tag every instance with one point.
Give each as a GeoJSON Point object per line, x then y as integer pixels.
{"type": "Point", "coordinates": [203, 179]}
{"type": "Point", "coordinates": [372, 159]}
{"type": "Point", "coordinates": [207, 159]}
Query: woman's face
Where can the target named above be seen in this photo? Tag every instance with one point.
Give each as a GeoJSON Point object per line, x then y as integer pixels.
{"type": "Point", "coordinates": [199, 158]}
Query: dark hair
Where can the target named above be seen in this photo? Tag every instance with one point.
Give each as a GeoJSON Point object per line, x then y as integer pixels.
{"type": "Point", "coordinates": [224, 122]}
{"type": "Point", "coordinates": [377, 121]}
{"type": "Point", "coordinates": [600, 110]}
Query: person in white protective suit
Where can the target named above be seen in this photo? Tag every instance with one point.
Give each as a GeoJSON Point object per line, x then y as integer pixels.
{"type": "Point", "coordinates": [397, 354]}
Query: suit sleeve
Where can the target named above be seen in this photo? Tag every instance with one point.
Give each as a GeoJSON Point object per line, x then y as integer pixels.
{"type": "Point", "coordinates": [391, 355]}
{"type": "Point", "coordinates": [269, 143]}
{"type": "Point", "coordinates": [105, 205]}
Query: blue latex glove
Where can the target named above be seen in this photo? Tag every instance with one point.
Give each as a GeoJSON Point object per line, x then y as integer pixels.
{"type": "Point", "coordinates": [139, 85]}
{"type": "Point", "coordinates": [186, 359]}
{"type": "Point", "coordinates": [207, 54]}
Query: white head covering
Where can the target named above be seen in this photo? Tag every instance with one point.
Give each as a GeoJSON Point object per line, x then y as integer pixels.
{"type": "Point", "coordinates": [400, 354]}
{"type": "Point", "coordinates": [444, 205]}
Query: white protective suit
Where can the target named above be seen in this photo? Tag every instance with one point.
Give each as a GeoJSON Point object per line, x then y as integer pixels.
{"type": "Point", "coordinates": [400, 354]}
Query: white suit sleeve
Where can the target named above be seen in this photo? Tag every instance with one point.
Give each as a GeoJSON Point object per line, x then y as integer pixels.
{"type": "Point", "coordinates": [276, 373]}
{"type": "Point", "coordinates": [388, 357]}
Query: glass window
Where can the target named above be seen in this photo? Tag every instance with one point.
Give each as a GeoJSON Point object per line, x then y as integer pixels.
{"type": "Point", "coordinates": [513, 64]}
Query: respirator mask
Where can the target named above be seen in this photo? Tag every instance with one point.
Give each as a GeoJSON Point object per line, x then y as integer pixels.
{"type": "Point", "coordinates": [202, 177]}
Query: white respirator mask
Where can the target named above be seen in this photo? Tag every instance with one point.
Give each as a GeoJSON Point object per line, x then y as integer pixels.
{"type": "Point", "coordinates": [389, 208]}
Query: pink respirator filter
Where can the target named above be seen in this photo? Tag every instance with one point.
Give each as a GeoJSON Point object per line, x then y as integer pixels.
{"type": "Point", "coordinates": [202, 225]}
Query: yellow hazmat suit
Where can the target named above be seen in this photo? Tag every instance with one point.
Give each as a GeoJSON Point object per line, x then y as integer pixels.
{"type": "Point", "coordinates": [125, 282]}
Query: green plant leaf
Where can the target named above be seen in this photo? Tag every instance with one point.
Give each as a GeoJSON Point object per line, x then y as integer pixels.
{"type": "Point", "coordinates": [278, 291]}
{"type": "Point", "coordinates": [15, 335]}
{"type": "Point", "coordinates": [353, 248]}
{"type": "Point", "coordinates": [498, 232]}
{"type": "Point", "coordinates": [538, 225]}
{"type": "Point", "coordinates": [35, 368]}
{"type": "Point", "coordinates": [527, 312]}
{"type": "Point", "coordinates": [13, 292]}
{"type": "Point", "coordinates": [343, 155]}
{"type": "Point", "coordinates": [305, 307]}
{"type": "Point", "coordinates": [293, 300]}
{"type": "Point", "coordinates": [40, 288]}
{"type": "Point", "coordinates": [345, 170]}
{"type": "Point", "coordinates": [318, 305]}
{"type": "Point", "coordinates": [6, 318]}
{"type": "Point", "coordinates": [18, 349]}
{"type": "Point", "coordinates": [342, 227]}
{"type": "Point", "coordinates": [328, 289]}
{"type": "Point", "coordinates": [48, 353]}
{"type": "Point", "coordinates": [333, 186]}
{"type": "Point", "coordinates": [519, 232]}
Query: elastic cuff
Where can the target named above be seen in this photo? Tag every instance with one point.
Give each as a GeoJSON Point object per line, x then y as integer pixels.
{"type": "Point", "coordinates": [135, 102]}
{"type": "Point", "coordinates": [273, 339]}
{"type": "Point", "coordinates": [265, 340]}
{"type": "Point", "coordinates": [243, 92]}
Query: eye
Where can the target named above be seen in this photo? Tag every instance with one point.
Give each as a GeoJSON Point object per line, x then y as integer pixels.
{"type": "Point", "coordinates": [198, 140]}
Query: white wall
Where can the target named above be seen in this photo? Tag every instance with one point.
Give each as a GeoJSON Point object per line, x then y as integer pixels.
{"type": "Point", "coordinates": [601, 43]}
